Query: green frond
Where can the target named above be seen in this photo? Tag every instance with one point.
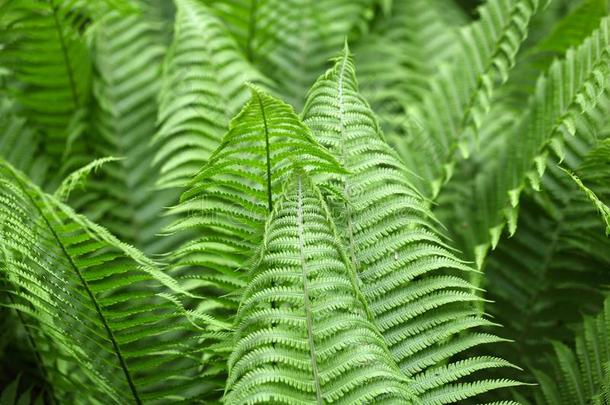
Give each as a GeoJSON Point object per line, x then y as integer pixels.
{"type": "Point", "coordinates": [542, 48]}
{"type": "Point", "coordinates": [11, 395]}
{"type": "Point", "coordinates": [127, 61]}
{"type": "Point", "coordinates": [554, 268]}
{"type": "Point", "coordinates": [79, 178]}
{"type": "Point", "coordinates": [581, 374]}
{"type": "Point", "coordinates": [20, 144]}
{"type": "Point", "coordinates": [227, 202]}
{"type": "Point", "coordinates": [575, 27]}
{"type": "Point", "coordinates": [49, 65]}
{"type": "Point", "coordinates": [569, 92]}
{"type": "Point", "coordinates": [543, 278]}
{"type": "Point", "coordinates": [596, 168]}
{"type": "Point", "coordinates": [291, 41]}
{"type": "Point", "coordinates": [102, 333]}
{"type": "Point", "coordinates": [460, 94]}
{"type": "Point", "coordinates": [203, 87]}
{"type": "Point", "coordinates": [302, 331]}
{"type": "Point", "coordinates": [410, 277]}
{"type": "Point", "coordinates": [402, 51]}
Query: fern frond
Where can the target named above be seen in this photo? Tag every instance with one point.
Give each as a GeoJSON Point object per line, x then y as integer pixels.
{"type": "Point", "coordinates": [20, 144]}
{"type": "Point", "coordinates": [302, 334]}
{"type": "Point", "coordinates": [11, 395]}
{"type": "Point", "coordinates": [227, 202]}
{"type": "Point", "coordinates": [572, 87]}
{"type": "Point", "coordinates": [127, 59]}
{"type": "Point", "coordinates": [416, 37]}
{"type": "Point", "coordinates": [580, 375]}
{"type": "Point", "coordinates": [49, 65]}
{"type": "Point", "coordinates": [203, 87]}
{"type": "Point", "coordinates": [291, 41]}
{"type": "Point", "coordinates": [459, 96]}
{"type": "Point", "coordinates": [400, 54]}
{"type": "Point", "coordinates": [91, 302]}
{"type": "Point", "coordinates": [596, 168]}
{"type": "Point", "coordinates": [574, 28]}
{"type": "Point", "coordinates": [554, 268]}
{"type": "Point", "coordinates": [543, 278]}
{"type": "Point", "coordinates": [79, 177]}
{"type": "Point", "coordinates": [411, 277]}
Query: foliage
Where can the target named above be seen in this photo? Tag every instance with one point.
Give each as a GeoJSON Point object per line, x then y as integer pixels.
{"type": "Point", "coordinates": [215, 200]}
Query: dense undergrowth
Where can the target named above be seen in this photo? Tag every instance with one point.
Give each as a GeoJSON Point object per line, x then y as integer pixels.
{"type": "Point", "coordinates": [293, 201]}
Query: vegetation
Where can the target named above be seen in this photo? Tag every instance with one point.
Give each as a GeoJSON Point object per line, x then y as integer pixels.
{"type": "Point", "coordinates": [290, 201]}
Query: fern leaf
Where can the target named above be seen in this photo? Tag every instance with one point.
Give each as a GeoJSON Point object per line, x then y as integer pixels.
{"type": "Point", "coordinates": [292, 40]}
{"type": "Point", "coordinates": [127, 60]}
{"type": "Point", "coordinates": [554, 268]}
{"type": "Point", "coordinates": [580, 375]}
{"type": "Point", "coordinates": [49, 65]}
{"type": "Point", "coordinates": [572, 86]}
{"type": "Point", "coordinates": [79, 177]}
{"type": "Point", "coordinates": [20, 144]}
{"type": "Point", "coordinates": [596, 167]}
{"type": "Point", "coordinates": [401, 258]}
{"type": "Point", "coordinates": [403, 51]}
{"type": "Point", "coordinates": [92, 303]}
{"type": "Point", "coordinates": [227, 202]}
{"type": "Point", "coordinates": [203, 87]}
{"type": "Point", "coordinates": [302, 330]}
{"type": "Point", "coordinates": [451, 112]}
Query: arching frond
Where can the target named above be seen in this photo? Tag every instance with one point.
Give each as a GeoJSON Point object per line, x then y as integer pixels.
{"type": "Point", "coordinates": [460, 94]}
{"type": "Point", "coordinates": [20, 144]}
{"type": "Point", "coordinates": [555, 267]}
{"type": "Point", "coordinates": [411, 278]}
{"type": "Point", "coordinates": [12, 395]}
{"type": "Point", "coordinates": [564, 32]}
{"type": "Point", "coordinates": [127, 60]}
{"type": "Point", "coordinates": [203, 87]}
{"type": "Point", "coordinates": [79, 177]}
{"type": "Point", "coordinates": [568, 93]}
{"type": "Point", "coordinates": [102, 333]}
{"type": "Point", "coordinates": [227, 202]}
{"type": "Point", "coordinates": [303, 334]}
{"type": "Point", "coordinates": [543, 278]}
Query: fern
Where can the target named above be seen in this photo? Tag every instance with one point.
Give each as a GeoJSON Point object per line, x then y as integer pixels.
{"type": "Point", "coordinates": [560, 101]}
{"type": "Point", "coordinates": [354, 253]}
{"type": "Point", "coordinates": [403, 50]}
{"type": "Point", "coordinates": [227, 201]}
{"type": "Point", "coordinates": [91, 301]}
{"type": "Point", "coordinates": [122, 122]}
{"type": "Point", "coordinates": [461, 93]}
{"type": "Point", "coordinates": [204, 79]}
{"type": "Point", "coordinates": [596, 168]}
{"type": "Point", "coordinates": [302, 332]}
{"type": "Point", "coordinates": [291, 41]}
{"type": "Point", "coordinates": [402, 260]}
{"type": "Point", "coordinates": [46, 55]}
{"type": "Point", "coordinates": [20, 142]}
{"type": "Point", "coordinates": [580, 376]}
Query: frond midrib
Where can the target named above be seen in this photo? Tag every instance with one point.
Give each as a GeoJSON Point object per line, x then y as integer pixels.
{"type": "Point", "coordinates": [98, 309]}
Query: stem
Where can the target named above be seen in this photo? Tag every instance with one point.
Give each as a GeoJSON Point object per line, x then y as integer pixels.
{"type": "Point", "coordinates": [306, 302]}
{"type": "Point", "coordinates": [64, 52]}
{"type": "Point", "coordinates": [268, 153]}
